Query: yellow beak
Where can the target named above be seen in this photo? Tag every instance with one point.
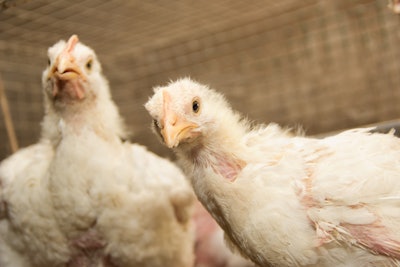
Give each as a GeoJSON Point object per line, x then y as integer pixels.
{"type": "Point", "coordinates": [175, 128]}
{"type": "Point", "coordinates": [65, 65]}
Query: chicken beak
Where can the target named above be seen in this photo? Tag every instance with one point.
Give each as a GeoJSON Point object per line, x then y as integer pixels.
{"type": "Point", "coordinates": [65, 67]}
{"type": "Point", "coordinates": [175, 128]}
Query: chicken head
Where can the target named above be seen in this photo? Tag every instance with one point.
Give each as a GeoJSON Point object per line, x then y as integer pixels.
{"type": "Point", "coordinates": [72, 69]}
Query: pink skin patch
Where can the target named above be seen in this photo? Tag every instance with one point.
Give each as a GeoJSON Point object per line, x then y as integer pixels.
{"type": "Point", "coordinates": [204, 222]}
{"type": "Point", "coordinates": [206, 227]}
{"type": "Point", "coordinates": [376, 238]}
{"type": "Point", "coordinates": [229, 168]}
{"type": "Point", "coordinates": [89, 241]}
{"type": "Point", "coordinates": [90, 251]}
{"type": "Point", "coordinates": [68, 88]}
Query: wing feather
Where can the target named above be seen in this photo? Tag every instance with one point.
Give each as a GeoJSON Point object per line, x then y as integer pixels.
{"type": "Point", "coordinates": [353, 191]}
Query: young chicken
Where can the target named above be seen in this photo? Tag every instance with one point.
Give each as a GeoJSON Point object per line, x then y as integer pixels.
{"type": "Point", "coordinates": [81, 196]}
{"type": "Point", "coordinates": [211, 249]}
{"type": "Point", "coordinates": [285, 200]}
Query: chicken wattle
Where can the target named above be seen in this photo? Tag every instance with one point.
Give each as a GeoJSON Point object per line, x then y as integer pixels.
{"type": "Point", "coordinates": [81, 196]}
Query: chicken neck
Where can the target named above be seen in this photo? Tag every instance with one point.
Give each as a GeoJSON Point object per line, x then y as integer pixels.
{"type": "Point", "coordinates": [100, 118]}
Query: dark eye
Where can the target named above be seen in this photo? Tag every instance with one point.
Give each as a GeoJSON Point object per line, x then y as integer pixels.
{"type": "Point", "coordinates": [155, 123]}
{"type": "Point", "coordinates": [89, 64]}
{"type": "Point", "coordinates": [196, 106]}
{"type": "Point", "coordinates": [48, 62]}
{"type": "Point", "coordinates": [156, 128]}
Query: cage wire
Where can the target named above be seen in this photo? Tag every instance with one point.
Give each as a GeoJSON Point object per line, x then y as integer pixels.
{"type": "Point", "coordinates": [324, 65]}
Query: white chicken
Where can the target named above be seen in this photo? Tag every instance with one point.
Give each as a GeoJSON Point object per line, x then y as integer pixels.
{"type": "Point", "coordinates": [285, 200]}
{"type": "Point", "coordinates": [81, 196]}
{"type": "Point", "coordinates": [211, 249]}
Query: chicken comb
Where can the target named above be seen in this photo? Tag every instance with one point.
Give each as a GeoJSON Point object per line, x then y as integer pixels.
{"type": "Point", "coordinates": [72, 41]}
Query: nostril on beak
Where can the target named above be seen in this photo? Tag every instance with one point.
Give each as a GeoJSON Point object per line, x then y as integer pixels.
{"type": "Point", "coordinates": [173, 122]}
{"type": "Point", "coordinates": [170, 119]}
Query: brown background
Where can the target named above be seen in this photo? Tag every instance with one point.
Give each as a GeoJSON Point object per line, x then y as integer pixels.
{"type": "Point", "coordinates": [325, 65]}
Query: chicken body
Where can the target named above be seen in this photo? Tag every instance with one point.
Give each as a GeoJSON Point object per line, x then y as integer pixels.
{"type": "Point", "coordinates": [211, 249]}
{"type": "Point", "coordinates": [285, 200]}
{"type": "Point", "coordinates": [81, 196]}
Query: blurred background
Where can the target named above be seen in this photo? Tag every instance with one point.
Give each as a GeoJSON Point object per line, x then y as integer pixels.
{"type": "Point", "coordinates": [323, 65]}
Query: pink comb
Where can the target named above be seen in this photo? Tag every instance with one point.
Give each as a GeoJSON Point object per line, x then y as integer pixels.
{"type": "Point", "coordinates": [73, 40]}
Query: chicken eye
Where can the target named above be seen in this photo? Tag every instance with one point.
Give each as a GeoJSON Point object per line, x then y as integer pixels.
{"type": "Point", "coordinates": [48, 62]}
{"type": "Point", "coordinates": [89, 64]}
{"type": "Point", "coordinates": [155, 123]}
{"type": "Point", "coordinates": [196, 106]}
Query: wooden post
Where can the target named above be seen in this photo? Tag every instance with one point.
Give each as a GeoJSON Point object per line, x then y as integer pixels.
{"type": "Point", "coordinates": [7, 118]}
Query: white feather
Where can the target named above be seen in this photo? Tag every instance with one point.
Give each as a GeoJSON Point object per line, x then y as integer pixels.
{"type": "Point", "coordinates": [82, 197]}
{"type": "Point", "coordinates": [295, 201]}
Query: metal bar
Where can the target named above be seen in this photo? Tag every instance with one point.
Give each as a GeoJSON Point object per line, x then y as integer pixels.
{"type": "Point", "coordinates": [7, 118]}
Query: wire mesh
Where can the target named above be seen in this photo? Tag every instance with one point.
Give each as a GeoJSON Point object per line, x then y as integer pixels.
{"type": "Point", "coordinates": [325, 65]}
